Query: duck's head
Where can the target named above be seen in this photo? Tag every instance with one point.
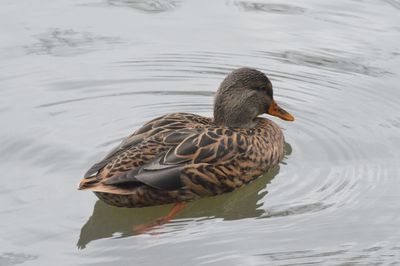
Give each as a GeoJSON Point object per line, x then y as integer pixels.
{"type": "Point", "coordinates": [242, 96]}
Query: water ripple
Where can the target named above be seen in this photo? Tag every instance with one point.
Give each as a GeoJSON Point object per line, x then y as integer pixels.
{"type": "Point", "coordinates": [68, 42]}
{"type": "Point", "coordinates": [153, 6]}
{"type": "Point", "coordinates": [121, 94]}
{"type": "Point", "coordinates": [271, 8]}
{"type": "Point", "coordinates": [328, 61]}
{"type": "Point", "coordinates": [10, 258]}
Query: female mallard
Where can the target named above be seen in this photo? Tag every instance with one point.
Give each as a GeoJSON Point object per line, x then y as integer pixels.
{"type": "Point", "coordinates": [180, 157]}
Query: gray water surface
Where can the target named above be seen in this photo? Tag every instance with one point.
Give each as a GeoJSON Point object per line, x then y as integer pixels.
{"type": "Point", "coordinates": [78, 76]}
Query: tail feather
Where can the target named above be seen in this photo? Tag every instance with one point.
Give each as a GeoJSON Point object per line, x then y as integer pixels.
{"type": "Point", "coordinates": [97, 185]}
{"type": "Point", "coordinates": [87, 183]}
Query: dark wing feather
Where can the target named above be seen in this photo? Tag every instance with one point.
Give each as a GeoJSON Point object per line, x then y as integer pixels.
{"type": "Point", "coordinates": [201, 146]}
{"type": "Point", "coordinates": [153, 174]}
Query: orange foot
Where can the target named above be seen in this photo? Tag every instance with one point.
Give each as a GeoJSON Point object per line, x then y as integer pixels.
{"type": "Point", "coordinates": [143, 228]}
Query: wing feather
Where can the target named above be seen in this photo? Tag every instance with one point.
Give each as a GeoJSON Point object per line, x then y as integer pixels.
{"type": "Point", "coordinates": [201, 146]}
{"type": "Point", "coordinates": [148, 130]}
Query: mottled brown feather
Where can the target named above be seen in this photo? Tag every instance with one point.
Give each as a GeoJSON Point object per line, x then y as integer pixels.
{"type": "Point", "coordinates": [209, 160]}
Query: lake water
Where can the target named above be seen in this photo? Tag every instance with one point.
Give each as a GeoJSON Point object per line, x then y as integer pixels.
{"type": "Point", "coordinates": [78, 76]}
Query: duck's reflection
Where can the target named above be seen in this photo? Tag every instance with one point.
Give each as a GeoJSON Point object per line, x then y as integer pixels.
{"type": "Point", "coordinates": [243, 203]}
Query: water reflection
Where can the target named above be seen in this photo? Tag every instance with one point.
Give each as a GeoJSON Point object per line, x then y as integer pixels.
{"type": "Point", "coordinates": [107, 221]}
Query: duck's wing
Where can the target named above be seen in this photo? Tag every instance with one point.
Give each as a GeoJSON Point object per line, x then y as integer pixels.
{"type": "Point", "coordinates": [137, 137]}
{"type": "Point", "coordinates": [211, 146]}
{"type": "Point", "coordinates": [160, 126]}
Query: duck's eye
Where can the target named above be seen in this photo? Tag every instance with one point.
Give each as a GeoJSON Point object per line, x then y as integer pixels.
{"type": "Point", "coordinates": [258, 88]}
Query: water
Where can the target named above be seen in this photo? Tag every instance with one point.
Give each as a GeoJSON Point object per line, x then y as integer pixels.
{"type": "Point", "coordinates": [77, 76]}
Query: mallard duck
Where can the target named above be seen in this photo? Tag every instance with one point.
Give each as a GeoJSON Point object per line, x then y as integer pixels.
{"type": "Point", "coordinates": [181, 157]}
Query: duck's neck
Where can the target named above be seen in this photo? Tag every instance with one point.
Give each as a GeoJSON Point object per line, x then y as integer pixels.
{"type": "Point", "coordinates": [240, 120]}
{"type": "Point", "coordinates": [227, 114]}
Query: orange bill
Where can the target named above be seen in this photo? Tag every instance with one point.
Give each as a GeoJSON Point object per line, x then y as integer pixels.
{"type": "Point", "coordinates": [275, 110]}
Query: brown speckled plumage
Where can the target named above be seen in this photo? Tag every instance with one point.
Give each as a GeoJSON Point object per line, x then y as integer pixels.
{"type": "Point", "coordinates": [181, 157]}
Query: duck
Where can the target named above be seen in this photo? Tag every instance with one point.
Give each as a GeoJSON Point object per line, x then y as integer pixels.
{"type": "Point", "coordinates": [180, 157]}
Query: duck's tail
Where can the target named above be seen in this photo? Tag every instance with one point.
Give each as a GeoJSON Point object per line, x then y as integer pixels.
{"type": "Point", "coordinates": [87, 183]}
{"type": "Point", "coordinates": [95, 184]}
